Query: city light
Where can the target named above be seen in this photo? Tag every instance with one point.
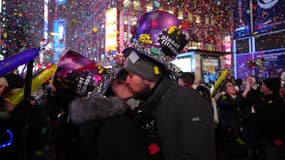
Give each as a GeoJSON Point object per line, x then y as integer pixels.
{"type": "Point", "coordinates": [111, 30]}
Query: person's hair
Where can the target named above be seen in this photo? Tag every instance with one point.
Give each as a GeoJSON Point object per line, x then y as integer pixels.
{"type": "Point", "coordinates": [224, 85]}
{"type": "Point", "coordinates": [205, 92]}
{"type": "Point", "coordinates": [238, 82]}
{"type": "Point", "coordinates": [119, 77]}
{"type": "Point", "coordinates": [14, 80]}
{"type": "Point", "coordinates": [273, 84]}
{"type": "Point", "coordinates": [188, 77]}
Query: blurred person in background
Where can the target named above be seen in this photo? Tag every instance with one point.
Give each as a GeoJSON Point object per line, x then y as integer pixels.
{"type": "Point", "coordinates": [229, 132]}
{"type": "Point", "coordinates": [187, 79]}
{"type": "Point", "coordinates": [267, 120]}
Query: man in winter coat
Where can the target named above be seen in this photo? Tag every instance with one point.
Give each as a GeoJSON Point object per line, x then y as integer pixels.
{"type": "Point", "coordinates": [184, 119]}
{"type": "Point", "coordinates": [267, 120]}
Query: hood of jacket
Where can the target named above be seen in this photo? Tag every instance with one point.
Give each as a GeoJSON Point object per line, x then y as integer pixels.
{"type": "Point", "coordinates": [83, 110]}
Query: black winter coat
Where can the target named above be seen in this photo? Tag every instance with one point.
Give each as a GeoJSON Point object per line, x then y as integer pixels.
{"type": "Point", "coordinates": [268, 119]}
{"type": "Point", "coordinates": [106, 132]}
{"type": "Point", "coordinates": [229, 113]}
{"type": "Point", "coordinates": [185, 122]}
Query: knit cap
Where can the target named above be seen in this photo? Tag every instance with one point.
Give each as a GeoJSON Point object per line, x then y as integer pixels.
{"type": "Point", "coordinates": [274, 84]}
{"type": "Point", "coordinates": [145, 67]}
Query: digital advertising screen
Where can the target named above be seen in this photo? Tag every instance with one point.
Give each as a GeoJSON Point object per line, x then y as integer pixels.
{"type": "Point", "coordinates": [59, 34]}
{"type": "Point", "coordinates": [186, 61]}
{"type": "Point", "coordinates": [242, 45]}
{"type": "Point", "coordinates": [261, 64]}
{"type": "Point", "coordinates": [270, 41]}
{"type": "Point", "coordinates": [184, 64]}
{"type": "Point", "coordinates": [242, 19]}
{"type": "Point", "coordinates": [210, 69]}
{"type": "Point", "coordinates": [60, 2]}
{"type": "Point", "coordinates": [243, 68]}
{"type": "Point", "coordinates": [111, 43]}
{"type": "Point", "coordinates": [268, 15]}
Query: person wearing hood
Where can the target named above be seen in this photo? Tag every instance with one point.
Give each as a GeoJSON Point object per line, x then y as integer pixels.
{"type": "Point", "coordinates": [267, 121]}
{"type": "Point", "coordinates": [107, 129]}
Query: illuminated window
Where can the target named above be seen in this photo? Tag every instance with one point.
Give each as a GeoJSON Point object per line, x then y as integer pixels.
{"type": "Point", "coordinates": [206, 20]}
{"type": "Point", "coordinates": [127, 3]}
{"type": "Point", "coordinates": [180, 14]}
{"type": "Point", "coordinates": [212, 21]}
{"type": "Point", "coordinates": [149, 8]}
{"type": "Point", "coordinates": [210, 47]}
{"type": "Point", "coordinates": [227, 45]}
{"type": "Point", "coordinates": [194, 45]}
{"type": "Point", "coordinates": [198, 19]}
{"type": "Point", "coordinates": [136, 5]}
{"type": "Point", "coordinates": [0, 6]}
{"type": "Point", "coordinates": [190, 17]}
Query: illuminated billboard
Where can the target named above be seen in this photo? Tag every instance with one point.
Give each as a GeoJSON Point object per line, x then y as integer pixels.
{"type": "Point", "coordinates": [59, 29]}
{"type": "Point", "coordinates": [60, 2]}
{"type": "Point", "coordinates": [111, 43]}
{"type": "Point", "coordinates": [185, 61]}
{"type": "Point", "coordinates": [210, 67]}
{"type": "Point", "coordinates": [242, 19]}
{"type": "Point", "coordinates": [269, 15]}
{"type": "Point", "coordinates": [261, 64]}
{"type": "Point", "coordinates": [46, 19]}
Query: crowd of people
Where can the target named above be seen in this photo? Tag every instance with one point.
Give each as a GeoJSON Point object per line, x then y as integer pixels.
{"type": "Point", "coordinates": [250, 117]}
{"type": "Point", "coordinates": [145, 114]}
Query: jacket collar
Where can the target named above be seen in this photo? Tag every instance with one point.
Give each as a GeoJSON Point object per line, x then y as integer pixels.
{"type": "Point", "coordinates": [158, 93]}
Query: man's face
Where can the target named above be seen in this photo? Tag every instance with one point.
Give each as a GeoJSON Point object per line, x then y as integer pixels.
{"type": "Point", "coordinates": [181, 82]}
{"type": "Point", "coordinates": [138, 86]}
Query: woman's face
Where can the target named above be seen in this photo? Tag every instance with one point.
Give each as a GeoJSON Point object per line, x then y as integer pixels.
{"type": "Point", "coordinates": [230, 88]}
{"type": "Point", "coordinates": [121, 90]}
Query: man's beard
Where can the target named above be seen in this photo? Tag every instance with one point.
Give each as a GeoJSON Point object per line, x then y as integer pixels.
{"type": "Point", "coordinates": [144, 94]}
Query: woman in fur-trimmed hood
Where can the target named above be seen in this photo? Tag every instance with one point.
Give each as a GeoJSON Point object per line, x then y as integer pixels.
{"type": "Point", "coordinates": [86, 110]}
{"type": "Point", "coordinates": [106, 131]}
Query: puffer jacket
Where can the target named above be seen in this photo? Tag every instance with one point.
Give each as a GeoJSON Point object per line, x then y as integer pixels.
{"type": "Point", "coordinates": [106, 132]}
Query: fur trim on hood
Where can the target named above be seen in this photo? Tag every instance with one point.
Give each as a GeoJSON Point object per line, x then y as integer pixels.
{"type": "Point", "coordinates": [83, 110]}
